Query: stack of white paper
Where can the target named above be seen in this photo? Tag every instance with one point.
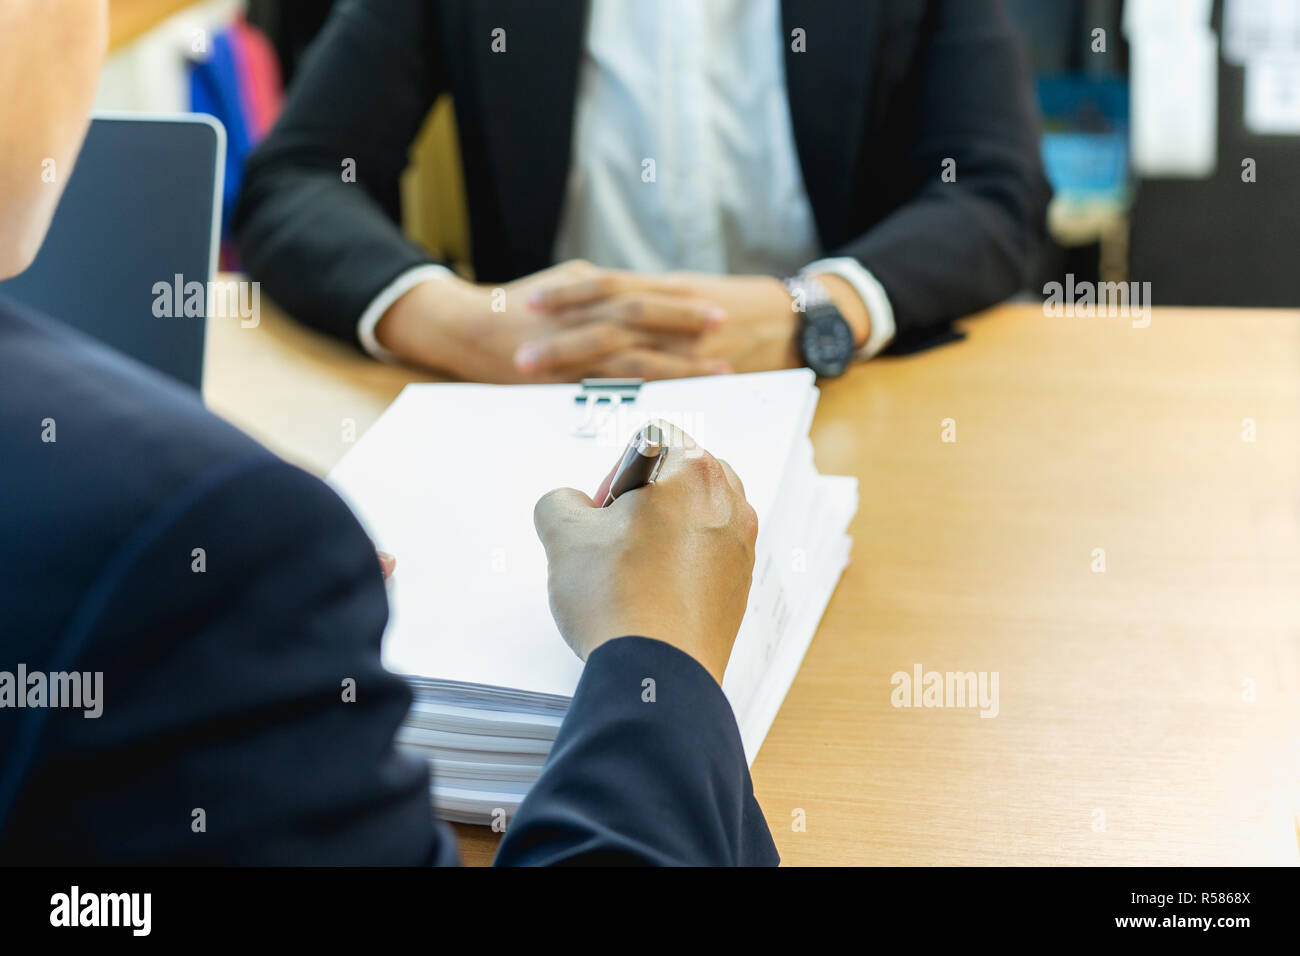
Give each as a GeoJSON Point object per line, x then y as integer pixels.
{"type": "Point", "coordinates": [446, 480]}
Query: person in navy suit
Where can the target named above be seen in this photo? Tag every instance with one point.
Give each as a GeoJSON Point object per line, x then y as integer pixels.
{"type": "Point", "coordinates": [225, 596]}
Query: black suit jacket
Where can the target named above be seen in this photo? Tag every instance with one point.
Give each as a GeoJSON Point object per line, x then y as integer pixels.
{"type": "Point", "coordinates": [883, 95]}
{"type": "Point", "coordinates": [222, 688]}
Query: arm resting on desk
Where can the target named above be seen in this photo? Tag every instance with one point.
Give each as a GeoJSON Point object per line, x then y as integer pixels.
{"type": "Point", "coordinates": [956, 247]}
{"type": "Point", "coordinates": [323, 247]}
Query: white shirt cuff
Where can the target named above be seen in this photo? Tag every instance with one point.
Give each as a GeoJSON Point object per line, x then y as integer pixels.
{"type": "Point", "coordinates": [873, 296]}
{"type": "Point", "coordinates": [403, 284]}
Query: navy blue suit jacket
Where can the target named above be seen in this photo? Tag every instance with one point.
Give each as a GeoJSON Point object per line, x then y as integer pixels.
{"type": "Point", "coordinates": [222, 688]}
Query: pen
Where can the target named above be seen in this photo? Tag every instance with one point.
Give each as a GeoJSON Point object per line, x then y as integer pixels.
{"type": "Point", "coordinates": [640, 465]}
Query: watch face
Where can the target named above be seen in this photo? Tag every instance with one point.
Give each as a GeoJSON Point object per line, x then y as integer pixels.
{"type": "Point", "coordinates": [826, 341]}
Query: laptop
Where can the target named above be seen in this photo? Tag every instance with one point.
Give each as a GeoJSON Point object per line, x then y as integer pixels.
{"type": "Point", "coordinates": [143, 207]}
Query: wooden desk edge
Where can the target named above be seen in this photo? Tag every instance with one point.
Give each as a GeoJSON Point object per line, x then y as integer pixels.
{"type": "Point", "coordinates": [128, 20]}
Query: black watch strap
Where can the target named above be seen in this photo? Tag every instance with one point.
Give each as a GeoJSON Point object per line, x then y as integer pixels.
{"type": "Point", "coordinates": [824, 337]}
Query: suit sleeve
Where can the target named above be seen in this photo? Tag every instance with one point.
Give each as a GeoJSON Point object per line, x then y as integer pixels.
{"type": "Point", "coordinates": [246, 716]}
{"type": "Point", "coordinates": [959, 246]}
{"type": "Point", "coordinates": [647, 768]}
{"type": "Point", "coordinates": [324, 246]}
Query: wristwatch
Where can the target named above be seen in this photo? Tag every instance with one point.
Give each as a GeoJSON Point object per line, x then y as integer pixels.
{"type": "Point", "coordinates": [825, 337]}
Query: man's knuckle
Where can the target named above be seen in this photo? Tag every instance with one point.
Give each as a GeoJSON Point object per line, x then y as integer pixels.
{"type": "Point", "coordinates": [708, 469]}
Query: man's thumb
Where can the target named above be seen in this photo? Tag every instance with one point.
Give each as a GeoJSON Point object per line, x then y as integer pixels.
{"type": "Point", "coordinates": [559, 508]}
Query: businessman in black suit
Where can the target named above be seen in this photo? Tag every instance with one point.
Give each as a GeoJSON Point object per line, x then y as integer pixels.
{"type": "Point", "coordinates": [673, 161]}
{"type": "Point", "coordinates": [215, 599]}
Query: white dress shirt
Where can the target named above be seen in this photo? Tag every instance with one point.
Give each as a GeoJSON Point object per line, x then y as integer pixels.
{"type": "Point", "coordinates": [684, 155]}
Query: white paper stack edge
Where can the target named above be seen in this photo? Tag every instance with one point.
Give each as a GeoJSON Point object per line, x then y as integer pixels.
{"type": "Point", "coordinates": [486, 717]}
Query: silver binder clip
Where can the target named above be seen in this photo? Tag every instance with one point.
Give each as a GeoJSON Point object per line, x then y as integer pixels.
{"type": "Point", "coordinates": [600, 400]}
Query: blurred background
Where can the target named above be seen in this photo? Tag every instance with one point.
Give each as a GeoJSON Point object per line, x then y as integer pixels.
{"type": "Point", "coordinates": [1171, 128]}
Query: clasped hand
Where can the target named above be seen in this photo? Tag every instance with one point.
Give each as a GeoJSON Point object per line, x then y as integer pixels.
{"type": "Point", "coordinates": [575, 320]}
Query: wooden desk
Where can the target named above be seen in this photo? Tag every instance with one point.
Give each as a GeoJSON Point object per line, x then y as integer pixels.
{"type": "Point", "coordinates": [1123, 735]}
{"type": "Point", "coordinates": [129, 19]}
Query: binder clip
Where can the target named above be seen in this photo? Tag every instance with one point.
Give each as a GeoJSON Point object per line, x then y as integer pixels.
{"type": "Point", "coordinates": [612, 390]}
{"type": "Point", "coordinates": [600, 398]}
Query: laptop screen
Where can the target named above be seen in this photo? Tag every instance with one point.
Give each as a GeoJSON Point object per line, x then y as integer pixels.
{"type": "Point", "coordinates": [139, 211]}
